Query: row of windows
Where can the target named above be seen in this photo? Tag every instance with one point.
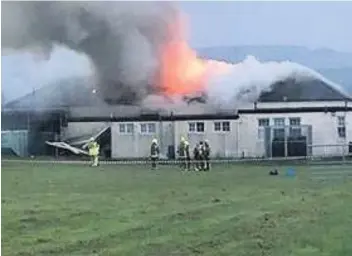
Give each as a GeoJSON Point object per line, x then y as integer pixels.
{"type": "Point", "coordinates": [293, 121]}
{"type": "Point", "coordinates": [218, 126]}
{"type": "Point", "coordinates": [225, 126]}
{"type": "Point", "coordinates": [146, 128]}
{"type": "Point", "coordinates": [150, 128]}
{"type": "Point", "coordinates": [295, 131]}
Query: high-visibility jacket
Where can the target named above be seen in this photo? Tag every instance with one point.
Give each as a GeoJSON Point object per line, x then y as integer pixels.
{"type": "Point", "coordinates": [93, 148]}
{"type": "Point", "coordinates": [183, 149]}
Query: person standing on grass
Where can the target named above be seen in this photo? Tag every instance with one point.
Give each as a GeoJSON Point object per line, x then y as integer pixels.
{"type": "Point", "coordinates": [196, 155]}
{"type": "Point", "coordinates": [154, 153]}
{"type": "Point", "coordinates": [183, 153]}
{"type": "Point", "coordinates": [201, 156]}
{"type": "Point", "coordinates": [207, 151]}
{"type": "Point", "coordinates": [93, 152]}
{"type": "Point", "coordinates": [188, 156]}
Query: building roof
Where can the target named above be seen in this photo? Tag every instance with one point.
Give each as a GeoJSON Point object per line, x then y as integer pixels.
{"type": "Point", "coordinates": [78, 93]}
{"type": "Point", "coordinates": [65, 93]}
{"type": "Point", "coordinates": [304, 90]}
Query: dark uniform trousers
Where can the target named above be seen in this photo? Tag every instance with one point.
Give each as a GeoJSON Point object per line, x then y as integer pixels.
{"type": "Point", "coordinates": [207, 157]}
{"type": "Point", "coordinates": [154, 150]}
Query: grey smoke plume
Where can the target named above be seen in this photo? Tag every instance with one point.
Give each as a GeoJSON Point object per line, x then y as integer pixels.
{"type": "Point", "coordinates": [120, 38]}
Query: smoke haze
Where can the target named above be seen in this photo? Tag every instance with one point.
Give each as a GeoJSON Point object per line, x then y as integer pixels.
{"type": "Point", "coordinates": [121, 39]}
{"type": "Point", "coordinates": [122, 42]}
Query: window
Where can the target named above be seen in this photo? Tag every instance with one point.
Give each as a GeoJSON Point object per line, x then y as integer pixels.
{"type": "Point", "coordinates": [126, 128]}
{"type": "Point", "coordinates": [226, 126]}
{"type": "Point", "coordinates": [148, 128]}
{"type": "Point", "coordinates": [279, 133]}
{"type": "Point", "coordinates": [192, 127]}
{"type": "Point", "coordinates": [295, 128]}
{"type": "Point", "coordinates": [341, 121]}
{"type": "Point", "coordinates": [151, 128]}
{"type": "Point", "coordinates": [143, 128]}
{"type": "Point", "coordinates": [262, 123]}
{"type": "Point", "coordinates": [217, 126]}
{"type": "Point", "coordinates": [200, 127]}
{"type": "Point", "coordinates": [279, 121]}
{"type": "Point", "coordinates": [222, 126]}
{"type": "Point", "coordinates": [295, 121]}
{"type": "Point", "coordinates": [122, 128]}
{"type": "Point", "coordinates": [341, 127]}
{"type": "Point", "coordinates": [196, 127]}
{"type": "Point", "coordinates": [129, 128]}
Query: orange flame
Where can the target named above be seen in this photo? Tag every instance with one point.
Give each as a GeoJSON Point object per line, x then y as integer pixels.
{"type": "Point", "coordinates": [181, 71]}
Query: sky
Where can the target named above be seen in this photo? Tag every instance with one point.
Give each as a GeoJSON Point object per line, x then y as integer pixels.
{"type": "Point", "coordinates": [310, 24]}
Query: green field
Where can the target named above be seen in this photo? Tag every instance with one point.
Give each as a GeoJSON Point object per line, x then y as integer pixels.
{"type": "Point", "coordinates": [62, 209]}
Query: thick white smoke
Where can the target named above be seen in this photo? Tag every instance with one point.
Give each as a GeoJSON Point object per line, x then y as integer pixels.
{"type": "Point", "coordinates": [121, 39]}
{"type": "Point", "coordinates": [244, 82]}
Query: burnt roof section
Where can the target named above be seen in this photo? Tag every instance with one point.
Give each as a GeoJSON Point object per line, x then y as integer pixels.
{"type": "Point", "coordinates": [74, 92]}
{"type": "Point", "coordinates": [78, 92]}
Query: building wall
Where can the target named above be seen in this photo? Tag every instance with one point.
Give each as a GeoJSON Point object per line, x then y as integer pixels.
{"type": "Point", "coordinates": [242, 138]}
{"type": "Point", "coordinates": [133, 142]}
{"type": "Point", "coordinates": [223, 143]}
{"type": "Point", "coordinates": [324, 131]}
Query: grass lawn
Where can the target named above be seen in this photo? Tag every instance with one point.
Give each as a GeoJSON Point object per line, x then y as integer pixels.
{"type": "Point", "coordinates": [130, 210]}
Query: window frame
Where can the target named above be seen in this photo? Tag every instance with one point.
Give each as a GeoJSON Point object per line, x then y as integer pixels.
{"type": "Point", "coordinates": [228, 124]}
{"type": "Point", "coordinates": [262, 124]}
{"type": "Point", "coordinates": [217, 126]}
{"type": "Point", "coordinates": [341, 127]}
{"type": "Point", "coordinates": [196, 126]}
{"type": "Point", "coordinates": [295, 129]}
{"type": "Point", "coordinates": [294, 119]}
{"type": "Point", "coordinates": [145, 128]}
{"type": "Point", "coordinates": [124, 128]}
{"type": "Point", "coordinates": [281, 119]}
{"type": "Point", "coordinates": [222, 126]}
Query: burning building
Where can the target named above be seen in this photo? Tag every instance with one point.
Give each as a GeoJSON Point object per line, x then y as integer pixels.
{"type": "Point", "coordinates": [148, 82]}
{"type": "Point", "coordinates": [310, 111]}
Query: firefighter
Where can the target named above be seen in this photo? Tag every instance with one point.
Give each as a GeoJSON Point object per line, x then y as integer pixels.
{"type": "Point", "coordinates": [183, 153]}
{"type": "Point", "coordinates": [201, 156]}
{"type": "Point", "coordinates": [207, 155]}
{"type": "Point", "coordinates": [188, 156]}
{"type": "Point", "coordinates": [154, 153]}
{"type": "Point", "coordinates": [196, 155]}
{"type": "Point", "coordinates": [93, 148]}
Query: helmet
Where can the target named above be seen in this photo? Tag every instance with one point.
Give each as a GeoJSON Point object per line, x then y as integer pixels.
{"type": "Point", "coordinates": [154, 141]}
{"type": "Point", "coordinates": [206, 141]}
{"type": "Point", "coordinates": [183, 139]}
{"type": "Point", "coordinates": [91, 139]}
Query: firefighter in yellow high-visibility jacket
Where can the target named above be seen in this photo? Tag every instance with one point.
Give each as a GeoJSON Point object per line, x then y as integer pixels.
{"type": "Point", "coordinates": [94, 148]}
